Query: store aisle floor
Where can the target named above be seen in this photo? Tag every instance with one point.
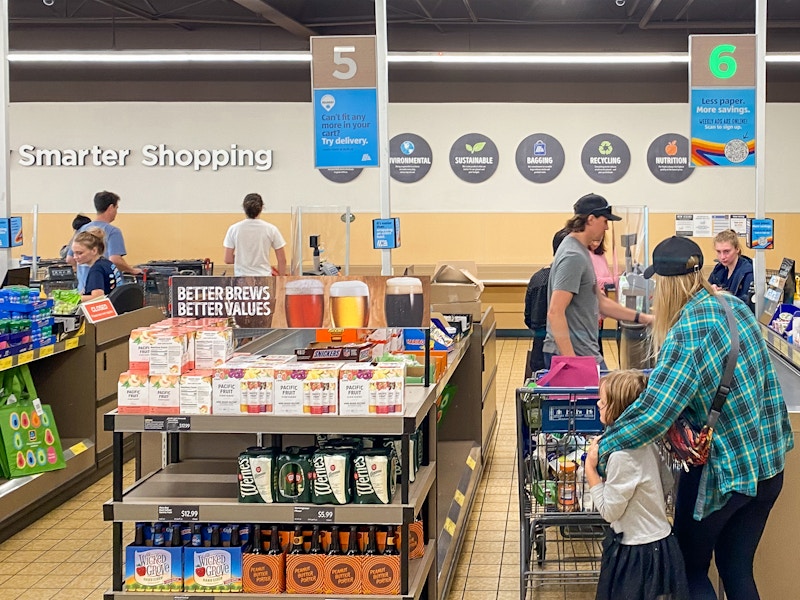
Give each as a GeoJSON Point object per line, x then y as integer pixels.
{"type": "Point", "coordinates": [32, 563]}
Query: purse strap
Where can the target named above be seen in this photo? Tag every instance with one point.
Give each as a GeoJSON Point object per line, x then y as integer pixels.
{"type": "Point", "coordinates": [724, 387]}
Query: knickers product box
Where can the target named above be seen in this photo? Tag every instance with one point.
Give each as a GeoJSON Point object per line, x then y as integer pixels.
{"type": "Point", "coordinates": [149, 569]}
{"type": "Point", "coordinates": [212, 570]}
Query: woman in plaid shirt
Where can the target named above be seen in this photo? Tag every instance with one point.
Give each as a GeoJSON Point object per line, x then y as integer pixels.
{"type": "Point", "coordinates": [722, 507]}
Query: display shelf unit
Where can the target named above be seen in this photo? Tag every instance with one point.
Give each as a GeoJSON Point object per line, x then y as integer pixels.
{"type": "Point", "coordinates": [19, 497]}
{"type": "Point", "coordinates": [186, 479]}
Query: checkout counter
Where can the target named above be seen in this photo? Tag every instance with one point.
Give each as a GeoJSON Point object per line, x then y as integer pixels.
{"type": "Point", "coordinates": [781, 540]}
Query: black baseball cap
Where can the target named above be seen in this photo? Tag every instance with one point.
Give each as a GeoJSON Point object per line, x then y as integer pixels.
{"type": "Point", "coordinates": [671, 257]}
{"type": "Point", "coordinates": [594, 204]}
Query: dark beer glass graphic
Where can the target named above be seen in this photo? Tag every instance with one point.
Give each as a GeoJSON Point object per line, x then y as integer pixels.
{"type": "Point", "coordinates": [403, 302]}
{"type": "Point", "coordinates": [305, 303]}
{"type": "Point", "coordinates": [349, 304]}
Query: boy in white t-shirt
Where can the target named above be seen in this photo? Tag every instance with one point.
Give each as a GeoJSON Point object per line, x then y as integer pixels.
{"type": "Point", "coordinates": [247, 242]}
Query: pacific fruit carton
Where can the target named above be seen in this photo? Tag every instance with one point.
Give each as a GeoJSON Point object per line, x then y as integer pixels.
{"type": "Point", "coordinates": [165, 394]}
{"type": "Point", "coordinates": [264, 573]}
{"type": "Point", "coordinates": [133, 393]}
{"type": "Point", "coordinates": [169, 354]}
{"type": "Point", "coordinates": [139, 344]}
{"type": "Point", "coordinates": [227, 385]}
{"type": "Point", "coordinates": [212, 570]}
{"type": "Point", "coordinates": [306, 388]}
{"type": "Point", "coordinates": [173, 322]}
{"type": "Point", "coordinates": [196, 388]}
{"type": "Point", "coordinates": [149, 569]}
{"type": "Point", "coordinates": [213, 346]}
{"type": "Point", "coordinates": [371, 388]}
{"type": "Point", "coordinates": [256, 388]}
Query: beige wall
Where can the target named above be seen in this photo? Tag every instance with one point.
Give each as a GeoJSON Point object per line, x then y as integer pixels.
{"type": "Point", "coordinates": [488, 239]}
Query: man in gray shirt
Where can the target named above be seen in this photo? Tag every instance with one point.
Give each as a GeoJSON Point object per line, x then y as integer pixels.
{"type": "Point", "coordinates": [575, 301]}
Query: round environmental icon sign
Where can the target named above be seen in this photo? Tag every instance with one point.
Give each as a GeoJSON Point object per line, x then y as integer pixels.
{"type": "Point", "coordinates": [668, 158]}
{"type": "Point", "coordinates": [410, 157]}
{"type": "Point", "coordinates": [474, 158]}
{"type": "Point", "coordinates": [606, 158]}
{"type": "Point", "coordinates": [340, 174]}
{"type": "Point", "coordinates": [540, 158]}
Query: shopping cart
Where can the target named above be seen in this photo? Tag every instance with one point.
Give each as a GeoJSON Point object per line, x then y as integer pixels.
{"type": "Point", "coordinates": [560, 533]}
{"type": "Point", "coordinates": [155, 283]}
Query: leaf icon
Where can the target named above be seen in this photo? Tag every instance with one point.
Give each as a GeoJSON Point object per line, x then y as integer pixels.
{"type": "Point", "coordinates": [478, 147]}
{"type": "Point", "coordinates": [469, 148]}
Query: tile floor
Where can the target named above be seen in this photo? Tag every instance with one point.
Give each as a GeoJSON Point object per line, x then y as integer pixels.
{"type": "Point", "coordinates": [488, 568]}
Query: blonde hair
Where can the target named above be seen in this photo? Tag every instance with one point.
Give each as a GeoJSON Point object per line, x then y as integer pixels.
{"type": "Point", "coordinates": [671, 295]}
{"type": "Point", "coordinates": [92, 238]}
{"type": "Point", "coordinates": [729, 236]}
{"type": "Point", "coordinates": [621, 389]}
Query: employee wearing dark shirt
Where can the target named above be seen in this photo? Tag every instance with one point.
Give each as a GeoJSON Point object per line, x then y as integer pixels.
{"type": "Point", "coordinates": [103, 276]}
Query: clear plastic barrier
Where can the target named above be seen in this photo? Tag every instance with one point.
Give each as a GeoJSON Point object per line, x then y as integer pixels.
{"type": "Point", "coordinates": [630, 256]}
{"type": "Point", "coordinates": [320, 240]}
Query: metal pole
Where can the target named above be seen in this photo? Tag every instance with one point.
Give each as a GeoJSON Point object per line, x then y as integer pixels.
{"type": "Point", "coordinates": [5, 179]}
{"type": "Point", "coordinates": [35, 241]}
{"type": "Point", "coordinates": [759, 262]}
{"type": "Point", "coordinates": [382, 73]}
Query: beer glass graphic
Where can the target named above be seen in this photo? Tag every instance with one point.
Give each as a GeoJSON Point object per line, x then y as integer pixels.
{"type": "Point", "coordinates": [349, 304]}
{"type": "Point", "coordinates": [403, 302]}
{"type": "Point", "coordinates": [305, 303]}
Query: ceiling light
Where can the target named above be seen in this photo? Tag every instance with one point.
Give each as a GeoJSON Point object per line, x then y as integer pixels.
{"type": "Point", "coordinates": [158, 56]}
{"type": "Point", "coordinates": [540, 58]}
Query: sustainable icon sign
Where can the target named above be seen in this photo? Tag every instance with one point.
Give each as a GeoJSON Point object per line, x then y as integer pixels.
{"type": "Point", "coordinates": [474, 158]}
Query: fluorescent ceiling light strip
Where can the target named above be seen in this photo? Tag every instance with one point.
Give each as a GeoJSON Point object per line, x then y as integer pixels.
{"type": "Point", "coordinates": [164, 57]}
{"type": "Point", "coordinates": [539, 58]}
{"type": "Point", "coordinates": [443, 58]}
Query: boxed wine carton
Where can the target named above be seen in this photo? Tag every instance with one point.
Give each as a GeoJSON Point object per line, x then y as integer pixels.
{"type": "Point", "coordinates": [196, 392]}
{"type": "Point", "coordinates": [371, 388]}
{"type": "Point", "coordinates": [139, 344]}
{"type": "Point", "coordinates": [212, 347]}
{"type": "Point", "coordinates": [227, 385]}
{"type": "Point", "coordinates": [165, 394]}
{"type": "Point", "coordinates": [306, 388]}
{"type": "Point", "coordinates": [133, 393]}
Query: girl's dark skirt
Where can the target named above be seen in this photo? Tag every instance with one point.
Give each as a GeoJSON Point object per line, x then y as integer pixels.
{"type": "Point", "coordinates": [651, 571]}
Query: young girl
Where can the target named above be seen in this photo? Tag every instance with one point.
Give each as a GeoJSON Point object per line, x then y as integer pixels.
{"type": "Point", "coordinates": [641, 559]}
{"type": "Point", "coordinates": [88, 247]}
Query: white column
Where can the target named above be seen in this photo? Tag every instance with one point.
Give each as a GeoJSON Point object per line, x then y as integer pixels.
{"type": "Point", "coordinates": [759, 262]}
{"type": "Point", "coordinates": [382, 75]}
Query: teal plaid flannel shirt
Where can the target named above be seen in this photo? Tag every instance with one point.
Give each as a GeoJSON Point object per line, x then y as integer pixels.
{"type": "Point", "coordinates": [753, 433]}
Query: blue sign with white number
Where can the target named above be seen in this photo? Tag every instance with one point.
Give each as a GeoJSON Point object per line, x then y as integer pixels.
{"type": "Point", "coordinates": [346, 128]}
{"type": "Point", "coordinates": [386, 233]}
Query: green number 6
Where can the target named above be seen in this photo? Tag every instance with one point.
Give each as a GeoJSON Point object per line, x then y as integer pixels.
{"type": "Point", "coordinates": [720, 63]}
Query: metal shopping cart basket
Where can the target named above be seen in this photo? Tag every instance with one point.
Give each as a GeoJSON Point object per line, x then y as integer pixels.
{"type": "Point", "coordinates": [155, 283]}
{"type": "Point", "coordinates": [560, 533]}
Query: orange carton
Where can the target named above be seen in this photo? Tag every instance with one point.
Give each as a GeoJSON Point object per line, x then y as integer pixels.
{"type": "Point", "coordinates": [195, 392]}
{"type": "Point", "coordinates": [342, 575]}
{"type": "Point", "coordinates": [133, 393]}
{"type": "Point", "coordinates": [263, 573]}
{"type": "Point", "coordinates": [169, 354]}
{"type": "Point", "coordinates": [212, 347]}
{"type": "Point", "coordinates": [380, 575]}
{"type": "Point", "coordinates": [165, 394]}
{"type": "Point", "coordinates": [304, 573]}
{"type": "Point", "coordinates": [139, 344]}
{"type": "Point", "coordinates": [438, 358]}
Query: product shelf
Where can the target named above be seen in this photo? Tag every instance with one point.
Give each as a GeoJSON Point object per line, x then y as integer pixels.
{"type": "Point", "coordinates": [210, 486]}
{"type": "Point", "coordinates": [417, 576]}
{"type": "Point", "coordinates": [418, 401]}
{"type": "Point", "coordinates": [22, 358]}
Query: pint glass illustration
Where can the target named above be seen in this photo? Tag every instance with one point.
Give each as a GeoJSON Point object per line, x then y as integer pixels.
{"type": "Point", "coordinates": [305, 303]}
{"type": "Point", "coordinates": [403, 302]}
{"type": "Point", "coordinates": [349, 304]}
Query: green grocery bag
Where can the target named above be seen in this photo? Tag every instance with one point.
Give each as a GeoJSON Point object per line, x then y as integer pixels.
{"type": "Point", "coordinates": [29, 440]}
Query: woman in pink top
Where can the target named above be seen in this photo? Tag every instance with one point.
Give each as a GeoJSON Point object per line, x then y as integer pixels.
{"type": "Point", "coordinates": [597, 251]}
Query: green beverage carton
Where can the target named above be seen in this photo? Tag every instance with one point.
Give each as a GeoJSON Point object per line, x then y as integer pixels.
{"type": "Point", "coordinates": [374, 476]}
{"type": "Point", "coordinates": [256, 476]}
{"type": "Point", "coordinates": [294, 475]}
{"type": "Point", "coordinates": [331, 476]}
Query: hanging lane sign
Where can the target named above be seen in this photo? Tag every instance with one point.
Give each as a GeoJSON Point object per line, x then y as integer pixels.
{"type": "Point", "coordinates": [723, 100]}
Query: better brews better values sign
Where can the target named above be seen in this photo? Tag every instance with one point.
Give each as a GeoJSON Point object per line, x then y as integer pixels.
{"type": "Point", "coordinates": [305, 302]}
